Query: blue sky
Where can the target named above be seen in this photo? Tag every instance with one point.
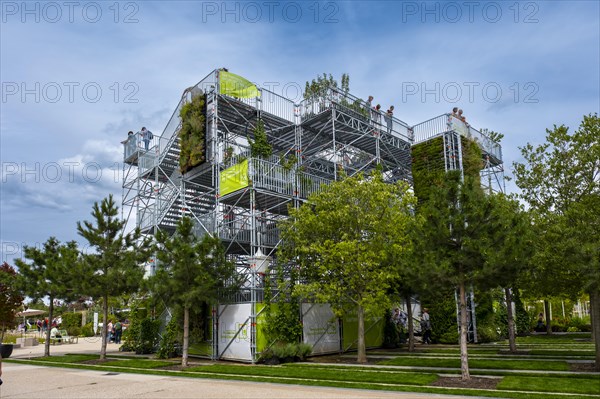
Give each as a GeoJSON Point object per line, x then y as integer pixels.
{"type": "Point", "coordinates": [77, 76]}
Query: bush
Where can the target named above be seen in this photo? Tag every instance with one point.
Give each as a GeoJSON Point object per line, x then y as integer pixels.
{"type": "Point", "coordinates": [573, 329]}
{"type": "Point", "coordinates": [70, 320]}
{"type": "Point", "coordinates": [74, 331]}
{"type": "Point", "coordinates": [169, 344]}
{"type": "Point", "coordinates": [582, 324]}
{"type": "Point", "coordinates": [487, 333]}
{"type": "Point", "coordinates": [88, 330]}
{"type": "Point", "coordinates": [449, 337]}
{"type": "Point", "coordinates": [285, 353]}
{"type": "Point", "coordinates": [142, 335]}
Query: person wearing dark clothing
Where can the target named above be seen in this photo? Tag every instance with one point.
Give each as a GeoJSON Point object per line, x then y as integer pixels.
{"type": "Point", "coordinates": [426, 326]}
{"type": "Point", "coordinates": [118, 332]}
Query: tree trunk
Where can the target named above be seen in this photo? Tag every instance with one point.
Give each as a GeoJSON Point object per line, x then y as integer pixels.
{"type": "Point", "coordinates": [548, 318]}
{"type": "Point", "coordinates": [50, 315]}
{"type": "Point", "coordinates": [186, 336]}
{"type": "Point", "coordinates": [362, 352]}
{"type": "Point", "coordinates": [595, 319]}
{"type": "Point", "coordinates": [411, 326]}
{"type": "Point", "coordinates": [511, 321]}
{"type": "Point", "coordinates": [104, 327]}
{"type": "Point", "coordinates": [464, 356]}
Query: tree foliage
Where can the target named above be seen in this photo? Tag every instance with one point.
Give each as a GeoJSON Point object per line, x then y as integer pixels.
{"type": "Point", "coordinates": [260, 146]}
{"type": "Point", "coordinates": [319, 87]}
{"type": "Point", "coordinates": [342, 240]}
{"type": "Point", "coordinates": [117, 265]}
{"type": "Point", "coordinates": [53, 273]}
{"type": "Point", "coordinates": [460, 221]}
{"type": "Point", "coordinates": [11, 298]}
{"type": "Point", "coordinates": [560, 180]}
{"type": "Point", "coordinates": [191, 271]}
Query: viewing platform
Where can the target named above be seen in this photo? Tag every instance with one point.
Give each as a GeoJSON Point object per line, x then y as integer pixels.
{"type": "Point", "coordinates": [447, 123]}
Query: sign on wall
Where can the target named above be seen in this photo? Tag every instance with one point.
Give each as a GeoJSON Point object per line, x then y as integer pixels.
{"type": "Point", "coordinates": [234, 332]}
{"type": "Point", "coordinates": [321, 328]}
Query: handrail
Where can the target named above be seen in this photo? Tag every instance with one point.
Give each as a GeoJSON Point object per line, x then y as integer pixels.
{"type": "Point", "coordinates": [445, 123]}
{"type": "Point", "coordinates": [351, 104]}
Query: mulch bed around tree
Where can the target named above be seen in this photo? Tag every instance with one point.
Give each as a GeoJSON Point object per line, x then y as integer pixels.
{"type": "Point", "coordinates": [586, 367]}
{"type": "Point", "coordinates": [97, 361]}
{"type": "Point", "coordinates": [474, 382]}
{"type": "Point", "coordinates": [518, 352]}
{"type": "Point", "coordinates": [343, 359]}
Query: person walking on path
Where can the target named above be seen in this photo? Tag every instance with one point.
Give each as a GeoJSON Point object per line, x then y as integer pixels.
{"type": "Point", "coordinates": [426, 326]}
{"type": "Point", "coordinates": [118, 331]}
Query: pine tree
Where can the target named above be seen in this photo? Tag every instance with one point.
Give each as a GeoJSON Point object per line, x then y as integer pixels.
{"type": "Point", "coordinates": [116, 267]}
{"type": "Point", "coordinates": [52, 273]}
{"type": "Point", "coordinates": [191, 272]}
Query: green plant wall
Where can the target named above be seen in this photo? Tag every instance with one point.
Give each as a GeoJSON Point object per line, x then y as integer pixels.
{"type": "Point", "coordinates": [192, 136]}
{"type": "Point", "coordinates": [428, 166]}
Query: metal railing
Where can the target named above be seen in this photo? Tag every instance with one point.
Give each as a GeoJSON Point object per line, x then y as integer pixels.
{"type": "Point", "coordinates": [355, 107]}
{"type": "Point", "coordinates": [136, 143]}
{"type": "Point", "coordinates": [430, 128]}
{"type": "Point", "coordinates": [446, 122]}
{"type": "Point", "coordinates": [309, 184]}
{"type": "Point", "coordinates": [277, 105]}
{"type": "Point", "coordinates": [272, 177]}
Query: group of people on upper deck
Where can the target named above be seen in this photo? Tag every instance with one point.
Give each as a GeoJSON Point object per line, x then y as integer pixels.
{"type": "Point", "coordinates": [458, 114]}
{"type": "Point", "coordinates": [375, 114]}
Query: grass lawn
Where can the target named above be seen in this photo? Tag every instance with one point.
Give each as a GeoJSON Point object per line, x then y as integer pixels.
{"type": "Point", "coordinates": [589, 385]}
{"type": "Point", "coordinates": [67, 358]}
{"type": "Point", "coordinates": [553, 339]}
{"type": "Point", "coordinates": [324, 373]}
{"type": "Point", "coordinates": [502, 364]}
{"type": "Point", "coordinates": [530, 383]}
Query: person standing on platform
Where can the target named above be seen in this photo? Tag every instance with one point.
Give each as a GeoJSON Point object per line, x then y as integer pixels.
{"type": "Point", "coordinates": [147, 136]}
{"type": "Point", "coordinates": [388, 118]}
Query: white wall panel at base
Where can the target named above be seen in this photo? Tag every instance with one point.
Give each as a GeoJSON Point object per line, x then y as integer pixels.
{"type": "Point", "coordinates": [234, 332]}
{"type": "Point", "coordinates": [321, 328]}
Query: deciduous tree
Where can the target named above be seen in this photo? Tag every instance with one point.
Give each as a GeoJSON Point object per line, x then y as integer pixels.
{"type": "Point", "coordinates": [560, 180]}
{"type": "Point", "coordinates": [342, 239]}
{"type": "Point", "coordinates": [10, 297]}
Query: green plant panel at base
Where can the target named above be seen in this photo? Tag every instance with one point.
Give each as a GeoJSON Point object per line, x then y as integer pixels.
{"type": "Point", "coordinates": [373, 331]}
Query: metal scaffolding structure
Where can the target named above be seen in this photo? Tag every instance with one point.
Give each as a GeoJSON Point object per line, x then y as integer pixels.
{"type": "Point", "coordinates": [312, 142]}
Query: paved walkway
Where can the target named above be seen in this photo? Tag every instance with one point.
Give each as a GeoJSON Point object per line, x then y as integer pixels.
{"type": "Point", "coordinates": [85, 345]}
{"type": "Point", "coordinates": [27, 381]}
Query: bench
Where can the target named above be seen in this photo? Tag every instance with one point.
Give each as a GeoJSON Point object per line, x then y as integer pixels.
{"type": "Point", "coordinates": [68, 338]}
{"type": "Point", "coordinates": [56, 340]}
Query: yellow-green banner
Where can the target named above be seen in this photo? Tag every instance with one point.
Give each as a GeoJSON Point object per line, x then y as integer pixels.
{"type": "Point", "coordinates": [234, 178]}
{"type": "Point", "coordinates": [236, 86]}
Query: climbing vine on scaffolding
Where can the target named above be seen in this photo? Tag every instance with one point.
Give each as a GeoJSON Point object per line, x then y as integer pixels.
{"type": "Point", "coordinates": [260, 146]}
{"type": "Point", "coordinates": [192, 136]}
